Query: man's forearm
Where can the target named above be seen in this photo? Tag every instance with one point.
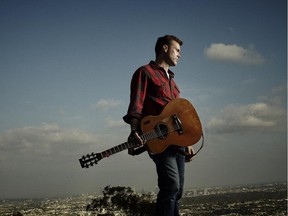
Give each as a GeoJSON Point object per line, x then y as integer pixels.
{"type": "Point", "coordinates": [135, 124]}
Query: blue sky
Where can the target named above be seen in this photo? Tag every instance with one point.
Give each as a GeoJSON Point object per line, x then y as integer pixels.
{"type": "Point", "coordinates": [65, 74]}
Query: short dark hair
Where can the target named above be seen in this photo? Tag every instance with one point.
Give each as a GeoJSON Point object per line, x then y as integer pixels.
{"type": "Point", "coordinates": [165, 40]}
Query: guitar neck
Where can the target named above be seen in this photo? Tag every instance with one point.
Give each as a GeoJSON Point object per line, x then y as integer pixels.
{"type": "Point", "coordinates": [147, 136]}
{"type": "Point", "coordinates": [116, 149]}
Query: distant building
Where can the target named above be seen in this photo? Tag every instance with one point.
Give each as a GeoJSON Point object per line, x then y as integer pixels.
{"type": "Point", "coordinates": [206, 192]}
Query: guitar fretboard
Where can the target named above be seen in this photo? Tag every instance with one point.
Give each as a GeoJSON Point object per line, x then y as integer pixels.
{"type": "Point", "coordinates": [117, 149]}
{"type": "Point", "coordinates": [149, 135]}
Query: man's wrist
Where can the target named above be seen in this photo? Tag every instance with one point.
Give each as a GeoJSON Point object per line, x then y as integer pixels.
{"type": "Point", "coordinates": [134, 124]}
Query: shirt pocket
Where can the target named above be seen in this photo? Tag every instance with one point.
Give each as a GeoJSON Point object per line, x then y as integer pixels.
{"type": "Point", "coordinates": [160, 89]}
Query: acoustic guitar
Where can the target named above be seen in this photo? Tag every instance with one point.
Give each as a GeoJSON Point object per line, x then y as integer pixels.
{"type": "Point", "coordinates": [178, 124]}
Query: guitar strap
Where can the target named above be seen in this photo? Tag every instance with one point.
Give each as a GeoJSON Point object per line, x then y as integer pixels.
{"type": "Point", "coordinates": [189, 156]}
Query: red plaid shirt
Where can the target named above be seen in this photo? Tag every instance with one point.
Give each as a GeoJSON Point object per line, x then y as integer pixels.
{"type": "Point", "coordinates": [150, 91]}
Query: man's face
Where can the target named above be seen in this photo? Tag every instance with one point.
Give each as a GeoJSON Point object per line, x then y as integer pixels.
{"type": "Point", "coordinates": [173, 53]}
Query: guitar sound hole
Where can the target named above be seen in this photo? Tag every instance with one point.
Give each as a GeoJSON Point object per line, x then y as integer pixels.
{"type": "Point", "coordinates": [162, 131]}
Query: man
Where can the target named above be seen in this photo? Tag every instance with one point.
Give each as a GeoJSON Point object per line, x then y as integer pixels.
{"type": "Point", "coordinates": [152, 87]}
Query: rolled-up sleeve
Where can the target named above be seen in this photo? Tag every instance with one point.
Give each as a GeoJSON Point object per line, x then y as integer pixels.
{"type": "Point", "coordinates": [138, 90]}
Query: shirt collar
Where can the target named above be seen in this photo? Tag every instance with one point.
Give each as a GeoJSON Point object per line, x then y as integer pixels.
{"type": "Point", "coordinates": [154, 65]}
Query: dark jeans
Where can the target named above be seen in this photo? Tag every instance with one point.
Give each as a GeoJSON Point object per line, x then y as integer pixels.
{"type": "Point", "coordinates": [170, 168]}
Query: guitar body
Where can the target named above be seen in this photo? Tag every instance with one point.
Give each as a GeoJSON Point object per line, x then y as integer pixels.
{"type": "Point", "coordinates": [178, 124]}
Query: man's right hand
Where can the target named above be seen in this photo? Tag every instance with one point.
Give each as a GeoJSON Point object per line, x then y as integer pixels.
{"type": "Point", "coordinates": [135, 138]}
{"type": "Point", "coordinates": [137, 141]}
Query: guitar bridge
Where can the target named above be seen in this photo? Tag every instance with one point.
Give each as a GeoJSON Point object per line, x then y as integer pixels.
{"type": "Point", "coordinates": [178, 124]}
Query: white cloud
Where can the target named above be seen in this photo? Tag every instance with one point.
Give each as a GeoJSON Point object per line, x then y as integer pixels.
{"type": "Point", "coordinates": [48, 141]}
{"type": "Point", "coordinates": [269, 115]}
{"type": "Point", "coordinates": [249, 81]}
{"type": "Point", "coordinates": [107, 103]}
{"type": "Point", "coordinates": [233, 53]}
{"type": "Point", "coordinates": [115, 123]}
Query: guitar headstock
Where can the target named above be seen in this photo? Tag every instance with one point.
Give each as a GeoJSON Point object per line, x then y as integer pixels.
{"type": "Point", "coordinates": [90, 159]}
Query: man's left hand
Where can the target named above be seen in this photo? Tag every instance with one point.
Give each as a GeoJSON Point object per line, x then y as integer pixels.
{"type": "Point", "coordinates": [190, 152]}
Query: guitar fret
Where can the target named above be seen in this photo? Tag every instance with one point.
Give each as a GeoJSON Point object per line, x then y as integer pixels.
{"type": "Point", "coordinates": [144, 136]}
{"type": "Point", "coordinates": [154, 135]}
{"type": "Point", "coordinates": [149, 135]}
{"type": "Point", "coordinates": [106, 153]}
{"type": "Point", "coordinates": [117, 148]}
{"type": "Point", "coordinates": [123, 146]}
